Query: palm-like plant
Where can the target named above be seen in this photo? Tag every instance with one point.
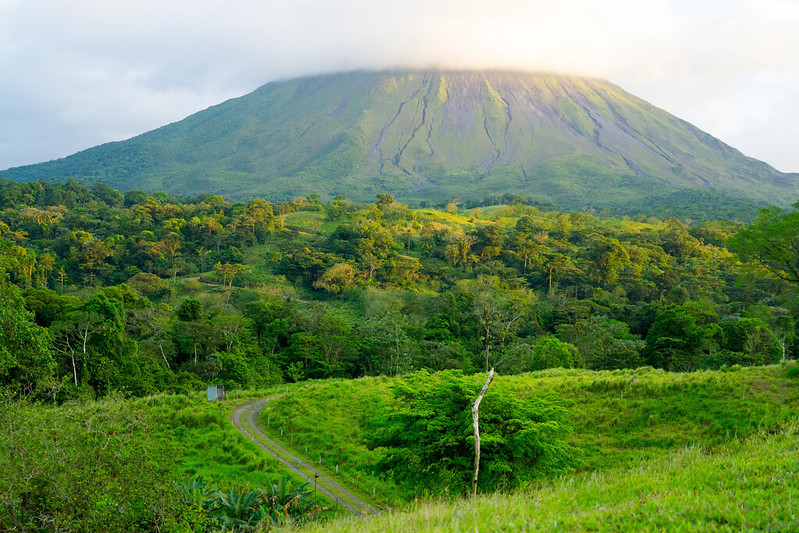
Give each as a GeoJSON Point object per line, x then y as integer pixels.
{"type": "Point", "coordinates": [238, 508]}
{"type": "Point", "coordinates": [281, 501]}
{"type": "Point", "coordinates": [198, 494]}
{"type": "Point", "coordinates": [242, 509]}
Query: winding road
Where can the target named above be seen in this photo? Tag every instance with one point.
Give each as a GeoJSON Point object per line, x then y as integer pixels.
{"type": "Point", "coordinates": [245, 419]}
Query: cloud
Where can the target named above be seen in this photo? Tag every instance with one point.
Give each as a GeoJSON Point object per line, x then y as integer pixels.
{"type": "Point", "coordinates": [82, 72]}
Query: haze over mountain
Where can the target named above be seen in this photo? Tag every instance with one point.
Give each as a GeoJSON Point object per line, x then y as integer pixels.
{"type": "Point", "coordinates": [429, 136]}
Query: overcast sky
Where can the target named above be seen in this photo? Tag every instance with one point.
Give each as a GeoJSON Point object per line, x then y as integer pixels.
{"type": "Point", "coordinates": [77, 73]}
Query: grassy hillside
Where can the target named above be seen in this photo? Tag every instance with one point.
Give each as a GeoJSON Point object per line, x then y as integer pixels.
{"type": "Point", "coordinates": [702, 451]}
{"type": "Point", "coordinates": [747, 485]}
{"type": "Point", "coordinates": [428, 136]}
{"type": "Point", "coordinates": [618, 417]}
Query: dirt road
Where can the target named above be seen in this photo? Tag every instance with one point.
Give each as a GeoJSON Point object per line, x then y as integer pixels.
{"type": "Point", "coordinates": [245, 419]}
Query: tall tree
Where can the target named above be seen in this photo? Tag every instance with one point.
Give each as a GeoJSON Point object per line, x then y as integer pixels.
{"type": "Point", "coordinates": [772, 241]}
{"type": "Point", "coordinates": [25, 357]}
{"type": "Point", "coordinates": [497, 308]}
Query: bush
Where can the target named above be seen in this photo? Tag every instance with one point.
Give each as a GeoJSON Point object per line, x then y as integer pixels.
{"type": "Point", "coordinates": [429, 444]}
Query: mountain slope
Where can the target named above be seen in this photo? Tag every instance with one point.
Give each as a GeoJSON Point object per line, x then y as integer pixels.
{"type": "Point", "coordinates": [429, 136]}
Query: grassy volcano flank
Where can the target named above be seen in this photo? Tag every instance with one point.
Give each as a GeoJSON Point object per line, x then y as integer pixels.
{"type": "Point", "coordinates": [429, 136]}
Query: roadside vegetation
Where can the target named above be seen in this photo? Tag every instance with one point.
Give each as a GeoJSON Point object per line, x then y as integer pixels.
{"type": "Point", "coordinates": [165, 462]}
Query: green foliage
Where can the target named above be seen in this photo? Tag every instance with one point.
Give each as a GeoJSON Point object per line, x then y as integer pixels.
{"type": "Point", "coordinates": [241, 508]}
{"type": "Point", "coordinates": [26, 361]}
{"type": "Point", "coordinates": [189, 310]}
{"type": "Point", "coordinates": [129, 298]}
{"type": "Point", "coordinates": [111, 465]}
{"type": "Point", "coordinates": [546, 352]}
{"type": "Point", "coordinates": [772, 241]}
{"type": "Point", "coordinates": [83, 467]}
{"type": "Point", "coordinates": [618, 417]}
{"type": "Point", "coordinates": [427, 440]}
{"type": "Point", "coordinates": [604, 344]}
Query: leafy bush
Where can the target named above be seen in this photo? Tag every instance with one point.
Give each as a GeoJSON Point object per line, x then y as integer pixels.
{"type": "Point", "coordinates": [82, 467]}
{"type": "Point", "coordinates": [428, 444]}
{"type": "Point", "coordinates": [241, 508]}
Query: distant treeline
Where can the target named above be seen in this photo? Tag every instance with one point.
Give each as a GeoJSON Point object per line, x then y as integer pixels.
{"type": "Point", "coordinates": [105, 291]}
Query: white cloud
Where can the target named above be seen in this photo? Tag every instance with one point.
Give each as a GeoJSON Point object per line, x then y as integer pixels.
{"type": "Point", "coordinates": [81, 72]}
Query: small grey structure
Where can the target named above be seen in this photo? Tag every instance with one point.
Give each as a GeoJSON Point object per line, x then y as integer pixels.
{"type": "Point", "coordinates": [216, 393]}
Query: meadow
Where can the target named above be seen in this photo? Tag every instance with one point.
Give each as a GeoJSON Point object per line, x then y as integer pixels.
{"type": "Point", "coordinates": [710, 450]}
{"type": "Point", "coordinates": [619, 418]}
{"type": "Point", "coordinates": [748, 484]}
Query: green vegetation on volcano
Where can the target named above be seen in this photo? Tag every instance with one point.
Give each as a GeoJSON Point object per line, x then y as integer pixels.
{"type": "Point", "coordinates": [105, 291]}
{"type": "Point", "coordinates": [429, 136]}
{"type": "Point", "coordinates": [108, 300]}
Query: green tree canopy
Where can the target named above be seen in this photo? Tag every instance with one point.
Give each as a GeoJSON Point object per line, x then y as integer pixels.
{"type": "Point", "coordinates": [428, 444]}
{"type": "Point", "coordinates": [772, 241]}
{"type": "Point", "coordinates": [25, 357]}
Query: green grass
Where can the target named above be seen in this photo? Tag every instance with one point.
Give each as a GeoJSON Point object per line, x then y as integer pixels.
{"type": "Point", "coordinates": [707, 451]}
{"type": "Point", "coordinates": [206, 442]}
{"type": "Point", "coordinates": [142, 447]}
{"type": "Point", "coordinates": [619, 417]}
{"type": "Point", "coordinates": [748, 485]}
{"type": "Point", "coordinates": [324, 419]}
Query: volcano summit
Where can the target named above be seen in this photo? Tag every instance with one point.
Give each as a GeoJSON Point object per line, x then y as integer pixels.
{"type": "Point", "coordinates": [429, 136]}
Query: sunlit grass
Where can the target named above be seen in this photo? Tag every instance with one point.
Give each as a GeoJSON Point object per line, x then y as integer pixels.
{"type": "Point", "coordinates": [619, 417]}
{"type": "Point", "coordinates": [751, 484]}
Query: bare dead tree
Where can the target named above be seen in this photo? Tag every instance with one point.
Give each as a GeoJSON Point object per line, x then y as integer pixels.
{"type": "Point", "coordinates": [475, 407]}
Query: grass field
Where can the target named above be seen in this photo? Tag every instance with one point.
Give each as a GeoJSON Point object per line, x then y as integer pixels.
{"type": "Point", "coordinates": [705, 451]}
{"type": "Point", "coordinates": [748, 485]}
{"type": "Point", "coordinates": [619, 417]}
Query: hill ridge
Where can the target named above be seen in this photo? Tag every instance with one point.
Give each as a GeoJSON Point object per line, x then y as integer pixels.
{"type": "Point", "coordinates": [429, 135]}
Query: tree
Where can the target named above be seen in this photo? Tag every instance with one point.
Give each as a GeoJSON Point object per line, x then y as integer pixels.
{"type": "Point", "coordinates": [228, 271]}
{"type": "Point", "coordinates": [402, 270]}
{"type": "Point", "coordinates": [427, 436]}
{"type": "Point", "coordinates": [169, 247]}
{"type": "Point", "coordinates": [339, 277]}
{"type": "Point", "coordinates": [547, 352]}
{"type": "Point", "coordinates": [604, 344]}
{"type": "Point", "coordinates": [772, 241]}
{"type": "Point", "coordinates": [25, 357]}
{"type": "Point", "coordinates": [92, 337]}
{"type": "Point", "coordinates": [607, 257]}
{"type": "Point", "coordinates": [190, 331]}
{"type": "Point", "coordinates": [150, 325]}
{"type": "Point", "coordinates": [476, 424]}
{"type": "Point", "coordinates": [386, 343]}
{"type": "Point", "coordinates": [677, 339]}
{"type": "Point", "coordinates": [497, 308]}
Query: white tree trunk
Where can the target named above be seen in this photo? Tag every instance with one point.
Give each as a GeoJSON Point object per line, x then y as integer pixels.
{"type": "Point", "coordinates": [475, 407]}
{"type": "Point", "coordinates": [74, 368]}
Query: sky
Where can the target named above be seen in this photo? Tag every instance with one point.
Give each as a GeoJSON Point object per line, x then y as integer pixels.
{"type": "Point", "coordinates": [78, 73]}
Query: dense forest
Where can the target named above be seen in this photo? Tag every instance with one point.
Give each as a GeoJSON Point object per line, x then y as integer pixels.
{"type": "Point", "coordinates": [102, 291]}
